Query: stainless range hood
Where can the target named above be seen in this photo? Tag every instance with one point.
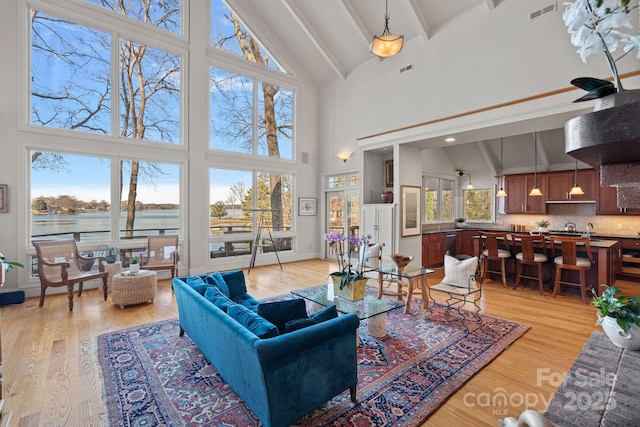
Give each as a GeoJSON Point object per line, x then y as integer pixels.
{"type": "Point", "coordinates": [609, 139]}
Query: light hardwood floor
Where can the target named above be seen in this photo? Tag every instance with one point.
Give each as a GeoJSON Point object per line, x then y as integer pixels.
{"type": "Point", "coordinates": [51, 376]}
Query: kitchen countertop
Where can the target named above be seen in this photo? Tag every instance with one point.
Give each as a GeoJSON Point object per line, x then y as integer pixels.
{"type": "Point", "coordinates": [595, 236]}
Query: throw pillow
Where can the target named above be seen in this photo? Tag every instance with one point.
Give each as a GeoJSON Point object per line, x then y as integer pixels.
{"type": "Point", "coordinates": [457, 273]}
{"type": "Point", "coordinates": [218, 299]}
{"type": "Point", "coordinates": [250, 320]}
{"type": "Point", "coordinates": [217, 279]}
{"type": "Point", "coordinates": [323, 315]}
{"type": "Point", "coordinates": [370, 256]}
{"type": "Point", "coordinates": [295, 324]}
{"type": "Point", "coordinates": [280, 312]}
{"type": "Point", "coordinates": [198, 284]}
{"type": "Point", "coordinates": [235, 282]}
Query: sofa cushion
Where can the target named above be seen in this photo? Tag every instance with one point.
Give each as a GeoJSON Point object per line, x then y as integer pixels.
{"type": "Point", "coordinates": [323, 315]}
{"type": "Point", "coordinates": [235, 282]}
{"type": "Point", "coordinates": [198, 284]}
{"type": "Point", "coordinates": [280, 312]}
{"type": "Point", "coordinates": [217, 280]}
{"type": "Point", "coordinates": [218, 299]}
{"type": "Point", "coordinates": [250, 320]}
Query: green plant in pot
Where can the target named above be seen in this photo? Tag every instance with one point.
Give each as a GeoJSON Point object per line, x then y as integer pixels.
{"type": "Point", "coordinates": [619, 316]}
{"type": "Point", "coordinates": [461, 222]}
{"type": "Point", "coordinates": [111, 254]}
{"type": "Point", "coordinates": [349, 282]}
{"type": "Point", "coordinates": [134, 264]}
{"type": "Point", "coordinates": [543, 224]}
{"type": "Point", "coordinates": [5, 266]}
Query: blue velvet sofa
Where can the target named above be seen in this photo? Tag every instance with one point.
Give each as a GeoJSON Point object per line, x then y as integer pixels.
{"type": "Point", "coordinates": [280, 378]}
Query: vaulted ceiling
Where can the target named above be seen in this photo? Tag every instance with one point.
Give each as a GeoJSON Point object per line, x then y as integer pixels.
{"type": "Point", "coordinates": [330, 38]}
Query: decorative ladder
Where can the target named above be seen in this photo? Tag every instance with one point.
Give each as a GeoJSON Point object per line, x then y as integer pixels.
{"type": "Point", "coordinates": [266, 242]}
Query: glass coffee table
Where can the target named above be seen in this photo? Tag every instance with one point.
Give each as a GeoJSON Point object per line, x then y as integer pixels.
{"type": "Point", "coordinates": [416, 277]}
{"type": "Point", "coordinates": [372, 309]}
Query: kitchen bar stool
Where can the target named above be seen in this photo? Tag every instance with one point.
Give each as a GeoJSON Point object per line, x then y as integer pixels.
{"type": "Point", "coordinates": [569, 260]}
{"type": "Point", "coordinates": [496, 247]}
{"type": "Point", "coordinates": [533, 252]}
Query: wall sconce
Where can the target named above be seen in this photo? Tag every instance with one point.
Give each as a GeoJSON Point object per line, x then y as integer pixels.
{"type": "Point", "coordinates": [344, 156]}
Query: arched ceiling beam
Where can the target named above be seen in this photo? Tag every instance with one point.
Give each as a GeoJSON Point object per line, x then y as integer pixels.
{"type": "Point", "coordinates": [425, 29]}
{"type": "Point", "coordinates": [306, 26]}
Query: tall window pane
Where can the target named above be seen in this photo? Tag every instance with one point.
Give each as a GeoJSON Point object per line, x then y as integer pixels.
{"type": "Point", "coordinates": [275, 116]}
{"type": "Point", "coordinates": [431, 191]}
{"type": "Point", "coordinates": [438, 199]}
{"type": "Point", "coordinates": [478, 204]}
{"type": "Point", "coordinates": [165, 14]}
{"type": "Point", "coordinates": [70, 75]}
{"type": "Point", "coordinates": [70, 197]}
{"type": "Point", "coordinates": [150, 96]}
{"type": "Point", "coordinates": [231, 220]}
{"type": "Point", "coordinates": [149, 200]}
{"type": "Point", "coordinates": [275, 193]}
{"type": "Point", "coordinates": [232, 125]}
{"type": "Point", "coordinates": [230, 35]}
{"type": "Point", "coordinates": [447, 187]}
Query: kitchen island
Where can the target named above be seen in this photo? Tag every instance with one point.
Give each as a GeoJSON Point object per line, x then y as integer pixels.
{"type": "Point", "coordinates": [605, 254]}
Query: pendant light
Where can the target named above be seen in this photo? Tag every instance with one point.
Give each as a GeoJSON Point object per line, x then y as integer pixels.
{"type": "Point", "coordinates": [576, 190]}
{"type": "Point", "coordinates": [535, 191]}
{"type": "Point", "coordinates": [386, 44]}
{"type": "Point", "coordinates": [501, 192]}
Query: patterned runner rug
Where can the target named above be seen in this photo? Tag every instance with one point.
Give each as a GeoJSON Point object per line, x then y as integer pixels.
{"type": "Point", "coordinates": [152, 377]}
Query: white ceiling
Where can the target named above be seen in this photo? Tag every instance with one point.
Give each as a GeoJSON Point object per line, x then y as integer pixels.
{"type": "Point", "coordinates": [330, 38]}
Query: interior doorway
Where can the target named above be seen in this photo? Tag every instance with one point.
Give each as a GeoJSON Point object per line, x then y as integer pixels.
{"type": "Point", "coordinates": [343, 214]}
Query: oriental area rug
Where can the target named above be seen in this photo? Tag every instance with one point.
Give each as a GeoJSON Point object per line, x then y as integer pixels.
{"type": "Point", "coordinates": [152, 377]}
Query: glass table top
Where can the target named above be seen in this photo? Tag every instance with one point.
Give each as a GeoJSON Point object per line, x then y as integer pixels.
{"type": "Point", "coordinates": [408, 272]}
{"type": "Point", "coordinates": [368, 307]}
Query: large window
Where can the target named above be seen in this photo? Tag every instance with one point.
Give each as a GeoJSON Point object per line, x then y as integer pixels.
{"type": "Point", "coordinates": [72, 83]}
{"type": "Point", "coordinates": [438, 199]}
{"type": "Point", "coordinates": [478, 205]}
{"type": "Point", "coordinates": [71, 198]}
{"type": "Point", "coordinates": [241, 202]}
{"type": "Point", "coordinates": [248, 115]}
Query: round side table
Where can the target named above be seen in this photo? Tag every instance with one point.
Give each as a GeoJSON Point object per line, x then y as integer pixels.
{"type": "Point", "coordinates": [128, 289]}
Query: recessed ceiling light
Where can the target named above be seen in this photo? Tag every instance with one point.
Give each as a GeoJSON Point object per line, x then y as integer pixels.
{"type": "Point", "coordinates": [450, 139]}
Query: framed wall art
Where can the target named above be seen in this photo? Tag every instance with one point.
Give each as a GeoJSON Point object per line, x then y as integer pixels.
{"type": "Point", "coordinates": [388, 173]}
{"type": "Point", "coordinates": [410, 210]}
{"type": "Point", "coordinates": [4, 198]}
{"type": "Point", "coordinates": [306, 206]}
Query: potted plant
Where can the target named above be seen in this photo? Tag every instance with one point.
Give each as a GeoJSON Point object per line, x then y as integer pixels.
{"type": "Point", "coordinates": [543, 226]}
{"type": "Point", "coordinates": [461, 222]}
{"type": "Point", "coordinates": [134, 265]}
{"type": "Point", "coordinates": [619, 317]}
{"type": "Point", "coordinates": [349, 282]}
{"type": "Point", "coordinates": [5, 266]}
{"type": "Point", "coordinates": [111, 254]}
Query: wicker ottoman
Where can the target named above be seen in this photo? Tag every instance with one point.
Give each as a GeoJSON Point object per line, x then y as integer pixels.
{"type": "Point", "coordinates": [127, 289]}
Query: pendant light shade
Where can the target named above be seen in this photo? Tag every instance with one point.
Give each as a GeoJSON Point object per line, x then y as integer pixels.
{"type": "Point", "coordinates": [501, 192]}
{"type": "Point", "coordinates": [386, 44]}
{"type": "Point", "coordinates": [535, 191]}
{"type": "Point", "coordinates": [576, 190]}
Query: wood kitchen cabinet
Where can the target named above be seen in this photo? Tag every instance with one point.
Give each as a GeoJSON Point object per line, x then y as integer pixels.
{"type": "Point", "coordinates": [630, 257]}
{"type": "Point", "coordinates": [518, 188]}
{"type": "Point", "coordinates": [560, 183]}
{"type": "Point", "coordinates": [433, 249]}
{"type": "Point", "coordinates": [467, 241]}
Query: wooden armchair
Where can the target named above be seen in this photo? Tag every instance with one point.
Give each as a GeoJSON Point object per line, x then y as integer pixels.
{"type": "Point", "coordinates": [162, 253]}
{"type": "Point", "coordinates": [59, 265]}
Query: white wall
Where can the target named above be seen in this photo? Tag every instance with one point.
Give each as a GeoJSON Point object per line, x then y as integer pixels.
{"type": "Point", "coordinates": [480, 60]}
{"type": "Point", "coordinates": [13, 109]}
